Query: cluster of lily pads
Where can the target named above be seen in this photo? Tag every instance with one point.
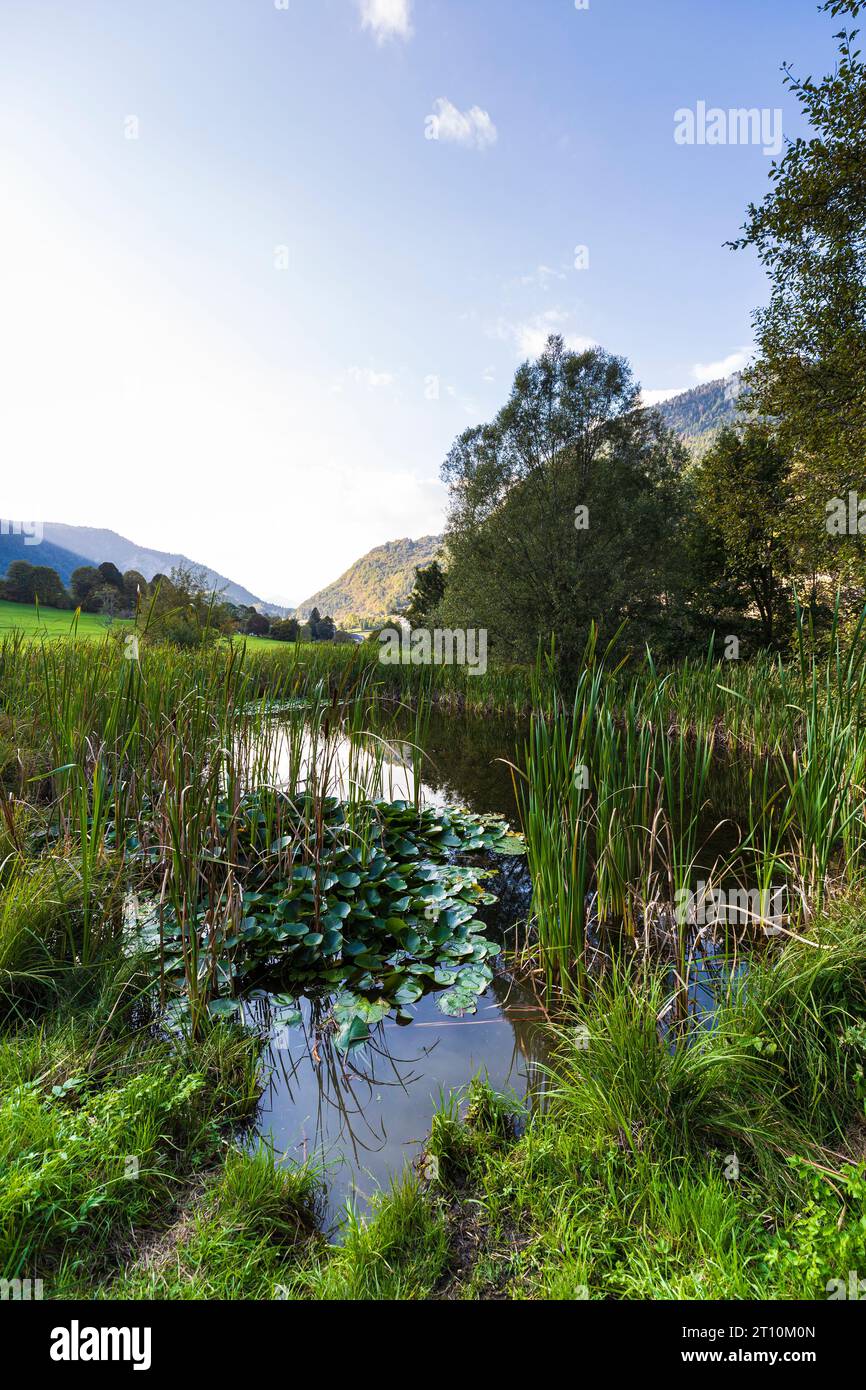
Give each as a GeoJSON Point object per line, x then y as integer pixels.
{"type": "Point", "coordinates": [378, 920]}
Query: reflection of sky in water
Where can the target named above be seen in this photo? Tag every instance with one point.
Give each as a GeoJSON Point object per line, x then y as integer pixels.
{"type": "Point", "coordinates": [366, 1114]}
{"type": "Point", "coordinates": [376, 766]}
{"type": "Point", "coordinates": [461, 764]}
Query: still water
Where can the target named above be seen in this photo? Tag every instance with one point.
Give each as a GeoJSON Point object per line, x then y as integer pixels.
{"type": "Point", "coordinates": [363, 1116]}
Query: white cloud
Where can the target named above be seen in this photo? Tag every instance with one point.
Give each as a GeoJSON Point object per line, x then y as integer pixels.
{"type": "Point", "coordinates": [541, 276]}
{"type": "Point", "coordinates": [366, 376]}
{"type": "Point", "coordinates": [473, 128]}
{"type": "Point", "coordinates": [711, 371]}
{"type": "Point", "coordinates": [530, 337]}
{"type": "Point", "coordinates": [665, 393]}
{"type": "Point", "coordinates": [387, 19]}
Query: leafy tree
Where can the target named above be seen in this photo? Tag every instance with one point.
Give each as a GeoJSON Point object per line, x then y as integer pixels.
{"type": "Point", "coordinates": [26, 583]}
{"type": "Point", "coordinates": [185, 610]}
{"type": "Point", "coordinates": [567, 508]}
{"type": "Point", "coordinates": [285, 630]}
{"type": "Point", "coordinates": [810, 234]}
{"type": "Point", "coordinates": [83, 583]}
{"type": "Point", "coordinates": [134, 589]}
{"type": "Point", "coordinates": [258, 625]}
{"type": "Point", "coordinates": [744, 494]}
{"type": "Point", "coordinates": [427, 594]}
{"type": "Point", "coordinates": [109, 574]}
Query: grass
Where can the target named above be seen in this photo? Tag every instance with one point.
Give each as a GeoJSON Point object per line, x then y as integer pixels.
{"type": "Point", "coordinates": [732, 1169]}
{"type": "Point", "coordinates": [102, 1124]}
{"type": "Point", "coordinates": [616, 793]}
{"type": "Point", "coordinates": [54, 622]}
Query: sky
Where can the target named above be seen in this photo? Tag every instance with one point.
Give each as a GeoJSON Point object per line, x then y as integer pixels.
{"type": "Point", "coordinates": [261, 261]}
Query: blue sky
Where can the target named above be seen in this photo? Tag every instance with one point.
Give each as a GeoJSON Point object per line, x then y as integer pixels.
{"type": "Point", "coordinates": [248, 304]}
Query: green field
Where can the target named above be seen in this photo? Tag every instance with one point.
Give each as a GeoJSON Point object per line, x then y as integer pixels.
{"type": "Point", "coordinates": [52, 622]}
{"type": "Point", "coordinates": [57, 622]}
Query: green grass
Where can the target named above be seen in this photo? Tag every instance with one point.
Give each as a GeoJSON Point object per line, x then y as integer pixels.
{"type": "Point", "coordinates": [53, 622]}
{"type": "Point", "coordinates": [730, 1168]}
{"type": "Point", "coordinates": [103, 1126]}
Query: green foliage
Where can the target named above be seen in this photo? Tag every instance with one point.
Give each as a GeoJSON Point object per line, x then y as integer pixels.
{"type": "Point", "coordinates": [822, 1248]}
{"type": "Point", "coordinates": [810, 235]}
{"type": "Point", "coordinates": [427, 594]}
{"type": "Point", "coordinates": [26, 583]}
{"type": "Point", "coordinates": [744, 494]}
{"type": "Point", "coordinates": [383, 924]}
{"type": "Point", "coordinates": [565, 510]}
{"type": "Point", "coordinates": [285, 630]}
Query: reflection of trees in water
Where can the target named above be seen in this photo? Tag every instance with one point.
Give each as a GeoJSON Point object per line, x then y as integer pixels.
{"type": "Point", "coordinates": [345, 1082]}
{"type": "Point", "coordinates": [346, 1120]}
{"type": "Point", "coordinates": [462, 760]}
{"type": "Point", "coordinates": [519, 1005]}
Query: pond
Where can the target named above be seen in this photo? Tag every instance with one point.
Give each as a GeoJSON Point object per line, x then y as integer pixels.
{"type": "Point", "coordinates": [362, 1115]}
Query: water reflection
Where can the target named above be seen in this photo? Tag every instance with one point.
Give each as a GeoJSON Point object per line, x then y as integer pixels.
{"type": "Point", "coordinates": [362, 1116]}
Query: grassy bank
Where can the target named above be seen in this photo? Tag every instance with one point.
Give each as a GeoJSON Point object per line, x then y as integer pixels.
{"type": "Point", "coordinates": [731, 1169]}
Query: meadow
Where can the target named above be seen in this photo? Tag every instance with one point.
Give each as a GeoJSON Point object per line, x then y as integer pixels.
{"type": "Point", "coordinates": [52, 622]}
{"type": "Point", "coordinates": [156, 873]}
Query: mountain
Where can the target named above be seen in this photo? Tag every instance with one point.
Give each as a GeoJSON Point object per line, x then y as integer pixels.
{"type": "Point", "coordinates": [55, 557]}
{"type": "Point", "coordinates": [376, 586]}
{"type": "Point", "coordinates": [699, 414]}
{"type": "Point", "coordinates": [98, 546]}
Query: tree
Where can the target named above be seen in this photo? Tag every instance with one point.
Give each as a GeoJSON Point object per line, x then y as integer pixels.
{"type": "Point", "coordinates": [184, 609]}
{"type": "Point", "coordinates": [109, 574]}
{"type": "Point", "coordinates": [810, 234]}
{"type": "Point", "coordinates": [134, 589]}
{"type": "Point", "coordinates": [258, 625]}
{"type": "Point", "coordinates": [564, 510]}
{"type": "Point", "coordinates": [84, 582]}
{"type": "Point", "coordinates": [285, 630]}
{"type": "Point", "coordinates": [26, 583]}
{"type": "Point", "coordinates": [743, 490]}
{"type": "Point", "coordinates": [427, 594]}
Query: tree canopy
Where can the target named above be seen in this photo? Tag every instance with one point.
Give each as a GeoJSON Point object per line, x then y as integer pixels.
{"type": "Point", "coordinates": [565, 509]}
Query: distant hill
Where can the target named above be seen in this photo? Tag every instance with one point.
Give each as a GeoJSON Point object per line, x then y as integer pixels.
{"type": "Point", "coordinates": [376, 586]}
{"type": "Point", "coordinates": [97, 546]}
{"type": "Point", "coordinates": [55, 557]}
{"type": "Point", "coordinates": [699, 414]}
